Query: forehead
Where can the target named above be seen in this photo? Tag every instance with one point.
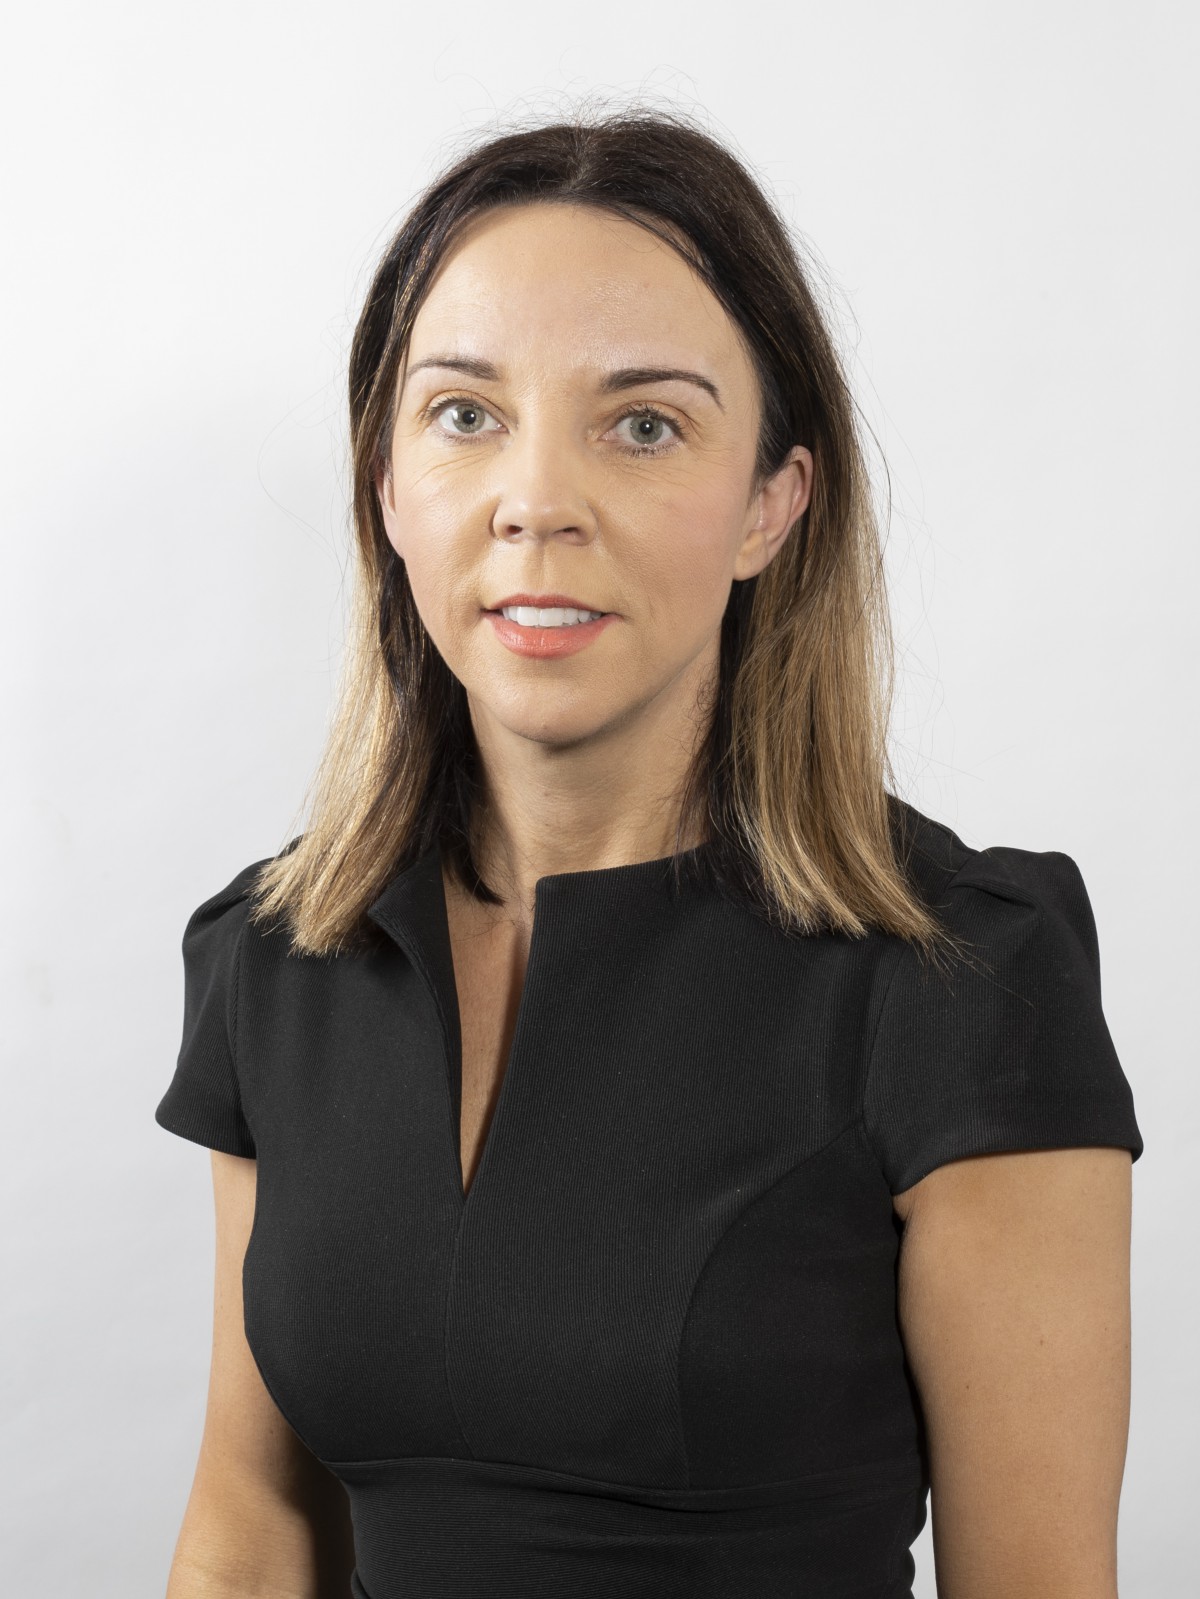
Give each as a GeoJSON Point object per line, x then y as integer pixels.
{"type": "Point", "coordinates": [577, 279]}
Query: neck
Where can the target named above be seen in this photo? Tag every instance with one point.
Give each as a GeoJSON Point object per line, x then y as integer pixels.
{"type": "Point", "coordinates": [598, 803]}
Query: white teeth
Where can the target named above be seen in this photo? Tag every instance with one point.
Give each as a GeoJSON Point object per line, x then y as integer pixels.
{"type": "Point", "coordinates": [557, 616]}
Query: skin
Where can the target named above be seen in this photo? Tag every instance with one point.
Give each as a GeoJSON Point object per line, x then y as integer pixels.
{"type": "Point", "coordinates": [1013, 1279]}
{"type": "Point", "coordinates": [1014, 1308]}
{"type": "Point", "coordinates": [584, 755]}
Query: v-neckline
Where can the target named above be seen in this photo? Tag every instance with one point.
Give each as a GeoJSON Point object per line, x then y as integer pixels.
{"type": "Point", "coordinates": [413, 910]}
{"type": "Point", "coordinates": [456, 1077]}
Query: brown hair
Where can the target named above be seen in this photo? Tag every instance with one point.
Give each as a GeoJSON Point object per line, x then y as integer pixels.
{"type": "Point", "coordinates": [791, 784]}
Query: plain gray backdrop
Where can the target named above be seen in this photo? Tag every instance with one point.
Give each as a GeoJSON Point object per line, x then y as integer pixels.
{"type": "Point", "coordinates": [1003, 203]}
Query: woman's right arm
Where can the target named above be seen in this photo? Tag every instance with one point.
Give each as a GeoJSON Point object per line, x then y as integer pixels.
{"type": "Point", "coordinates": [265, 1519]}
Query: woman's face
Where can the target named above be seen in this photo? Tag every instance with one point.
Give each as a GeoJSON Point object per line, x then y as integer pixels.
{"type": "Point", "coordinates": [535, 453]}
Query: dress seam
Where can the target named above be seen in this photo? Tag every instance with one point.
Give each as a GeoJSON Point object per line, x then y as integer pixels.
{"type": "Point", "coordinates": [239, 958]}
{"type": "Point", "coordinates": [869, 1059]}
{"type": "Point", "coordinates": [710, 1255]}
{"type": "Point", "coordinates": [900, 1467]}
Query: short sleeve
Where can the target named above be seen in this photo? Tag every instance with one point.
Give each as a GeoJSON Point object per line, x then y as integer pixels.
{"type": "Point", "coordinates": [1010, 1050]}
{"type": "Point", "coordinates": [204, 1099]}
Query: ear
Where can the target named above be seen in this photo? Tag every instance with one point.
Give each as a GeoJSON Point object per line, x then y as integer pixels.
{"type": "Point", "coordinates": [387, 502]}
{"type": "Point", "coordinates": [775, 508]}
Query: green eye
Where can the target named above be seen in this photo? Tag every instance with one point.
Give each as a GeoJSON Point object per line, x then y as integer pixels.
{"type": "Point", "coordinates": [470, 412]}
{"type": "Point", "coordinates": [655, 424]}
{"type": "Point", "coordinates": [647, 437]}
{"type": "Point", "coordinates": [647, 427]}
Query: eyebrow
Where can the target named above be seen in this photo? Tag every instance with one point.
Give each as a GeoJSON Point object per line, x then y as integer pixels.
{"type": "Point", "coordinates": [626, 377]}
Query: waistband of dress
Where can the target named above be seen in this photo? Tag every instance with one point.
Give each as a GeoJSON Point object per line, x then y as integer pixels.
{"type": "Point", "coordinates": [870, 1478]}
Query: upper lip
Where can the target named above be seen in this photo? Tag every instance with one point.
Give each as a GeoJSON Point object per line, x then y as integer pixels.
{"type": "Point", "coordinates": [543, 602]}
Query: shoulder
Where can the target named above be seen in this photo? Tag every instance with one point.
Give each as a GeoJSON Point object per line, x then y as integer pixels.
{"type": "Point", "coordinates": [1000, 899]}
{"type": "Point", "coordinates": [1005, 1046]}
{"type": "Point", "coordinates": [236, 892]}
{"type": "Point", "coordinates": [218, 927]}
{"type": "Point", "coordinates": [205, 1101]}
{"type": "Point", "coordinates": [230, 904]}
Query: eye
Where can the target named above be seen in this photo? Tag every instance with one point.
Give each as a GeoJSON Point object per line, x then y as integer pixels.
{"type": "Point", "coordinates": [467, 421]}
{"type": "Point", "coordinates": [469, 413]}
{"type": "Point", "coordinates": [648, 425]}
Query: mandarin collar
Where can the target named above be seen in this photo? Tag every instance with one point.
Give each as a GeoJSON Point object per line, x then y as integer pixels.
{"type": "Point", "coordinates": [412, 911]}
{"type": "Point", "coordinates": [412, 907]}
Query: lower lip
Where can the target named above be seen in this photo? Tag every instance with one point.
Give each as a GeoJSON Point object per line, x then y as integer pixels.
{"type": "Point", "coordinates": [547, 642]}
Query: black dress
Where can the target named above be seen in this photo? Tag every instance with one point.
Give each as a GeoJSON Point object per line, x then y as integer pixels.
{"type": "Point", "coordinates": [654, 1354]}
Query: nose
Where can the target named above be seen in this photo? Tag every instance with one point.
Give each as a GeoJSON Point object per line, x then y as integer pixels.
{"type": "Point", "coordinates": [541, 488]}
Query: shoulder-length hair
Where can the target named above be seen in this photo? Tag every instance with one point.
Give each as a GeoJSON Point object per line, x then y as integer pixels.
{"type": "Point", "coordinates": [790, 786]}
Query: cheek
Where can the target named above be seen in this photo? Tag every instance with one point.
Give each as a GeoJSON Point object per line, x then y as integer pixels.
{"type": "Point", "coordinates": [687, 550]}
{"type": "Point", "coordinates": [429, 536]}
{"type": "Point", "coordinates": [431, 514]}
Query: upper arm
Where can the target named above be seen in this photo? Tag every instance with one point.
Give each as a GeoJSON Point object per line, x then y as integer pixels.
{"type": "Point", "coordinates": [262, 1509]}
{"type": "Point", "coordinates": [1014, 1310]}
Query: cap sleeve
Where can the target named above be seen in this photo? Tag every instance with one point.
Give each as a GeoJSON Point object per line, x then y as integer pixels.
{"type": "Point", "coordinates": [1011, 1049]}
{"type": "Point", "coordinates": [204, 1099]}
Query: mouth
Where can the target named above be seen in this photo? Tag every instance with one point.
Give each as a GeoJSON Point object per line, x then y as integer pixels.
{"type": "Point", "coordinates": [546, 602]}
{"type": "Point", "coordinates": [553, 610]}
{"type": "Point", "coordinates": [549, 633]}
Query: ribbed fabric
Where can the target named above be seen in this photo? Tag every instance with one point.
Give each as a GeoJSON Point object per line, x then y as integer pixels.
{"type": "Point", "coordinates": [655, 1350]}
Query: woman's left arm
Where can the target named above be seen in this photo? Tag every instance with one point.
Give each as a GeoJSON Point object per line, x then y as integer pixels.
{"type": "Point", "coordinates": [1014, 1310]}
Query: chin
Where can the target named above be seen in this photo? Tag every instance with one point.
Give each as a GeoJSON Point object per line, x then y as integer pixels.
{"type": "Point", "coordinates": [566, 729]}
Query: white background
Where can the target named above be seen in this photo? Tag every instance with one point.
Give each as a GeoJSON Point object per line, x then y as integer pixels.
{"type": "Point", "coordinates": [1004, 198]}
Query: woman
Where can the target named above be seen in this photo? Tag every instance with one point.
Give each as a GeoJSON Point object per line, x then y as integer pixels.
{"type": "Point", "coordinates": [670, 1155]}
